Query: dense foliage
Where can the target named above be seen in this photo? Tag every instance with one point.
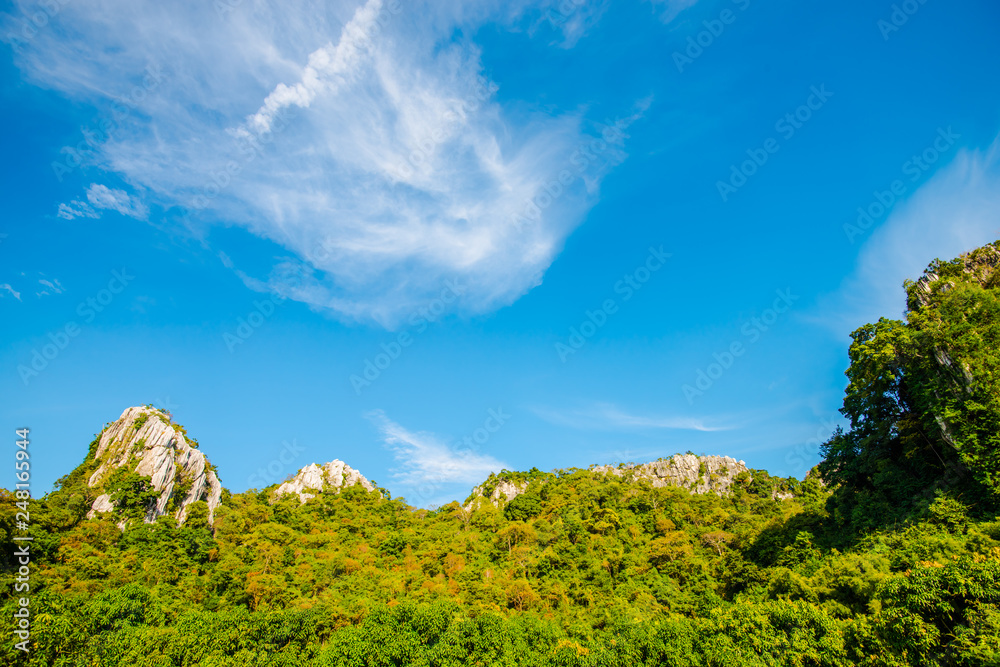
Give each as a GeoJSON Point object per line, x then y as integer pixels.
{"type": "Point", "coordinates": [924, 400]}
{"type": "Point", "coordinates": [892, 560]}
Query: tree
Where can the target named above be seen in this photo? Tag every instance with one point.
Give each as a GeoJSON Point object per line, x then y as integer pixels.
{"type": "Point", "coordinates": [717, 539]}
{"type": "Point", "coordinates": [515, 534]}
{"type": "Point", "coordinates": [520, 595]}
{"type": "Point", "coordinates": [523, 507]}
{"type": "Point", "coordinates": [131, 493]}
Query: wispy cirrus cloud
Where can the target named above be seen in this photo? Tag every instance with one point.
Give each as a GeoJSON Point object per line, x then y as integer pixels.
{"type": "Point", "coordinates": [956, 210]}
{"type": "Point", "coordinates": [425, 459]}
{"type": "Point", "coordinates": [6, 287]}
{"type": "Point", "coordinates": [365, 139]}
{"type": "Point", "coordinates": [102, 198]}
{"type": "Point", "coordinates": [571, 19]}
{"type": "Point", "coordinates": [606, 416]}
{"type": "Point", "coordinates": [50, 287]}
{"type": "Point", "coordinates": [672, 8]}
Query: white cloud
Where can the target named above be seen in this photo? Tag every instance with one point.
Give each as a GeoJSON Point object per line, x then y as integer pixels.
{"type": "Point", "coordinates": [573, 19]}
{"type": "Point", "coordinates": [52, 286]}
{"type": "Point", "coordinates": [957, 210]}
{"type": "Point", "coordinates": [76, 209]}
{"type": "Point", "coordinates": [103, 197]}
{"type": "Point", "coordinates": [426, 460]}
{"type": "Point", "coordinates": [673, 8]}
{"type": "Point", "coordinates": [100, 198]}
{"type": "Point", "coordinates": [606, 416]}
{"type": "Point", "coordinates": [365, 142]}
{"type": "Point", "coordinates": [7, 287]}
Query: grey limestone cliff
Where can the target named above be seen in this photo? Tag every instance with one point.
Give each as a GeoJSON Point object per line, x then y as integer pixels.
{"type": "Point", "coordinates": [504, 492]}
{"type": "Point", "coordinates": [330, 477]}
{"type": "Point", "coordinates": [145, 441]}
{"type": "Point", "coordinates": [698, 474]}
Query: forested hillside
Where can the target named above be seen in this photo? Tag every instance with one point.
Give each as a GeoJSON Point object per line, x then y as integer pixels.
{"type": "Point", "coordinates": [887, 554]}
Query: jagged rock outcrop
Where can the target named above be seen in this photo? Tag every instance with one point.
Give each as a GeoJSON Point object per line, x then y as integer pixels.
{"type": "Point", "coordinates": [504, 492]}
{"type": "Point", "coordinates": [979, 266]}
{"type": "Point", "coordinates": [957, 365]}
{"type": "Point", "coordinates": [331, 477]}
{"type": "Point", "coordinates": [698, 474]}
{"type": "Point", "coordinates": [814, 474]}
{"type": "Point", "coordinates": [145, 441]}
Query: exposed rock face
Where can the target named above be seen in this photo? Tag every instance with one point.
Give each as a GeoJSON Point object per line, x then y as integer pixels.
{"type": "Point", "coordinates": [331, 477]}
{"type": "Point", "coordinates": [144, 440]}
{"type": "Point", "coordinates": [505, 491]}
{"type": "Point", "coordinates": [508, 490]}
{"type": "Point", "coordinates": [978, 266]}
{"type": "Point", "coordinates": [699, 474]}
{"type": "Point", "coordinates": [814, 474]}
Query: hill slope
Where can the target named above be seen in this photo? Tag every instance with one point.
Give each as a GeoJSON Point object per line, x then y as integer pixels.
{"type": "Point", "coordinates": [893, 560]}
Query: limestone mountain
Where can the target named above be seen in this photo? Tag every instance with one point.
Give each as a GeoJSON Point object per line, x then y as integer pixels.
{"type": "Point", "coordinates": [497, 489]}
{"type": "Point", "coordinates": [144, 466]}
{"type": "Point", "coordinates": [953, 334]}
{"type": "Point", "coordinates": [697, 474]}
{"type": "Point", "coordinates": [886, 555]}
{"type": "Point", "coordinates": [330, 477]}
{"type": "Point", "coordinates": [922, 399]}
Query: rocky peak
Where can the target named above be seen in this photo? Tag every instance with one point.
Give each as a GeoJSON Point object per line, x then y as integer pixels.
{"type": "Point", "coordinates": [504, 492]}
{"type": "Point", "coordinates": [698, 474]}
{"type": "Point", "coordinates": [978, 266]}
{"type": "Point", "coordinates": [145, 441]}
{"type": "Point", "coordinates": [330, 477]}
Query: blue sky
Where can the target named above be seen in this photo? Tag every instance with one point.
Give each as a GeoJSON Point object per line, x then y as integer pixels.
{"type": "Point", "coordinates": [562, 233]}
